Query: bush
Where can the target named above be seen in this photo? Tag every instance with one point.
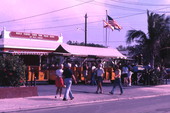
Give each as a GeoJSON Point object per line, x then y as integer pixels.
{"type": "Point", "coordinates": [12, 71]}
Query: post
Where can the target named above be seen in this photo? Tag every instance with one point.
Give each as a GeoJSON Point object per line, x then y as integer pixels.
{"type": "Point", "coordinates": [32, 74]}
{"type": "Point", "coordinates": [106, 28]}
{"type": "Point", "coordinates": [85, 29]}
{"type": "Point", "coordinates": [34, 81]}
{"type": "Point", "coordinates": [31, 78]}
{"type": "Point", "coordinates": [40, 60]}
{"type": "Point", "coordinates": [26, 75]}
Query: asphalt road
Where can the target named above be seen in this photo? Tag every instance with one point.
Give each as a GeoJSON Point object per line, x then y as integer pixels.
{"type": "Point", "coordinates": [160, 104]}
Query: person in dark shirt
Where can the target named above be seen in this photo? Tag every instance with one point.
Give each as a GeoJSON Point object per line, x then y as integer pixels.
{"type": "Point", "coordinates": [68, 76]}
{"type": "Point", "coordinates": [85, 72]}
{"type": "Point", "coordinates": [117, 81]}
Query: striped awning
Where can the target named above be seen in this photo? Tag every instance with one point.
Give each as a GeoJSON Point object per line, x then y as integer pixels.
{"type": "Point", "coordinates": [29, 53]}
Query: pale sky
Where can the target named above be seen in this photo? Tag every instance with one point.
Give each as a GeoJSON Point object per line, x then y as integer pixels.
{"type": "Point", "coordinates": [54, 17]}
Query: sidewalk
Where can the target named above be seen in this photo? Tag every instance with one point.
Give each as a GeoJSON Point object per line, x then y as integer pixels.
{"type": "Point", "coordinates": [84, 94]}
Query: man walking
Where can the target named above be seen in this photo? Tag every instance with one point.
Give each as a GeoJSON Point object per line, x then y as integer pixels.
{"type": "Point", "coordinates": [68, 76]}
{"type": "Point", "coordinates": [117, 80]}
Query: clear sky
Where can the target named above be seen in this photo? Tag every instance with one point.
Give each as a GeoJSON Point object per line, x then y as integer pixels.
{"type": "Point", "coordinates": [54, 17]}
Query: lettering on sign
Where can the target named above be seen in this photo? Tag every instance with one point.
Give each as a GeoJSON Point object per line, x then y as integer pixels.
{"type": "Point", "coordinates": [33, 36]}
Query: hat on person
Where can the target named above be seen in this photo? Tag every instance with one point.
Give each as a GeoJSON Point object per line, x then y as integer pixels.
{"type": "Point", "coordinates": [93, 67]}
{"type": "Point", "coordinates": [100, 65]}
{"type": "Point", "coordinates": [68, 65]}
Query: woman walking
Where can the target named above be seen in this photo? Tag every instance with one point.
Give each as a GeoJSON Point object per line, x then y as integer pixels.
{"type": "Point", "coordinates": [100, 72]}
{"type": "Point", "coordinates": [59, 80]}
{"type": "Point", "coordinates": [85, 72]}
{"type": "Point", "coordinates": [93, 76]}
{"type": "Point", "coordinates": [117, 80]}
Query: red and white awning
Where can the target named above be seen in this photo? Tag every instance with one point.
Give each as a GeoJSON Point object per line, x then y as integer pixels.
{"type": "Point", "coordinates": [29, 53]}
{"type": "Point", "coordinates": [89, 51]}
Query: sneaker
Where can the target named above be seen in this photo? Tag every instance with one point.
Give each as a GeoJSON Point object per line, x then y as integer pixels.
{"type": "Point", "coordinates": [60, 97]}
{"type": "Point", "coordinates": [121, 93]}
{"type": "Point", "coordinates": [72, 98]}
{"type": "Point", "coordinates": [101, 92]}
{"type": "Point", "coordinates": [97, 92]}
{"type": "Point", "coordinates": [56, 96]}
{"type": "Point", "coordinates": [64, 99]}
{"type": "Point", "coordinates": [111, 93]}
{"type": "Point", "coordinates": [64, 86]}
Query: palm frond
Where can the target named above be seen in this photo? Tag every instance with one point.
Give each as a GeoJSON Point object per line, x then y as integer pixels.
{"type": "Point", "coordinates": [134, 34]}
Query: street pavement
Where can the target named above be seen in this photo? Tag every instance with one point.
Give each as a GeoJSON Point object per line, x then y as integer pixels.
{"type": "Point", "coordinates": [84, 94]}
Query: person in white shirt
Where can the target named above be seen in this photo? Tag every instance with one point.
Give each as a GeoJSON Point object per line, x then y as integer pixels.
{"type": "Point", "coordinates": [130, 77]}
{"type": "Point", "coordinates": [125, 71]}
{"type": "Point", "coordinates": [99, 73]}
{"type": "Point", "coordinates": [59, 80]}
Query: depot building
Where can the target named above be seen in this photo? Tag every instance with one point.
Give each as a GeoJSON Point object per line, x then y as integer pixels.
{"type": "Point", "coordinates": [42, 52]}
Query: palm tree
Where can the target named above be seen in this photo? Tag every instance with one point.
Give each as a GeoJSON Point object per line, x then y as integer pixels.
{"type": "Point", "coordinates": [149, 43]}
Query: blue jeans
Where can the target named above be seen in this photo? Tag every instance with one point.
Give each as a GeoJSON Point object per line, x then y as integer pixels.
{"type": "Point", "coordinates": [68, 83]}
{"type": "Point", "coordinates": [93, 81]}
{"type": "Point", "coordinates": [117, 82]}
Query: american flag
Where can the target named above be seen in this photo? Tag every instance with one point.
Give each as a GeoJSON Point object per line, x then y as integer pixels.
{"type": "Point", "coordinates": [106, 24]}
{"type": "Point", "coordinates": [112, 23]}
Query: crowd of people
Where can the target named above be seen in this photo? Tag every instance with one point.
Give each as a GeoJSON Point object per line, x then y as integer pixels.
{"type": "Point", "coordinates": [122, 77]}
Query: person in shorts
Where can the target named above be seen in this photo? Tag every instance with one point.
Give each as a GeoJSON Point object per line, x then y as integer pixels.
{"type": "Point", "coordinates": [59, 81]}
{"type": "Point", "coordinates": [125, 71]}
{"type": "Point", "coordinates": [99, 74]}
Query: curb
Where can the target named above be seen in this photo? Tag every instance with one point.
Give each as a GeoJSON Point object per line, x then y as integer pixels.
{"type": "Point", "coordinates": [73, 103]}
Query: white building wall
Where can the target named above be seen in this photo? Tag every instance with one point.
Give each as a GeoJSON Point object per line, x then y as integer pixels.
{"type": "Point", "coordinates": [25, 43]}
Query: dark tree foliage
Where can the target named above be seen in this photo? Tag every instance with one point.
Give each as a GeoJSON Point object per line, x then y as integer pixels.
{"type": "Point", "coordinates": [121, 48]}
{"type": "Point", "coordinates": [82, 44]}
{"type": "Point", "coordinates": [12, 71]}
{"type": "Point", "coordinates": [151, 43]}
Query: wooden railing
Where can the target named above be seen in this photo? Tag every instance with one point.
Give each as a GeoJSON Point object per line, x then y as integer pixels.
{"type": "Point", "coordinates": [49, 74]}
{"type": "Point", "coordinates": [35, 71]}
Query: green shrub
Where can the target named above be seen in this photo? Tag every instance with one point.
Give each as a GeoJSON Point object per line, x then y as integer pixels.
{"type": "Point", "coordinates": [12, 71]}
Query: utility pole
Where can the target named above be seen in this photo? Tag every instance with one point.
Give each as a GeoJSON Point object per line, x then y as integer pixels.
{"type": "Point", "coordinates": [85, 29]}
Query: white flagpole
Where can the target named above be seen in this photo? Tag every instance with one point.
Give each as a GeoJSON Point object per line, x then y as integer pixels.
{"type": "Point", "coordinates": [106, 29]}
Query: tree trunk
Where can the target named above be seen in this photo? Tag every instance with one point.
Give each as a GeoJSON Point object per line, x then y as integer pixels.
{"type": "Point", "coordinates": [152, 62]}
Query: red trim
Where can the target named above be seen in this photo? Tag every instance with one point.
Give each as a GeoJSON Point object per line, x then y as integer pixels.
{"type": "Point", "coordinates": [24, 50]}
{"type": "Point", "coordinates": [33, 36]}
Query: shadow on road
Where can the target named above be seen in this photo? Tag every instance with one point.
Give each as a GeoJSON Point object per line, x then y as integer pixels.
{"type": "Point", "coordinates": [42, 99]}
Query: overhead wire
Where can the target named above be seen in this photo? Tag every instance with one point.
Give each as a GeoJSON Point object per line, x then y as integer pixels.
{"type": "Point", "coordinates": [80, 23]}
{"type": "Point", "coordinates": [143, 4]}
{"type": "Point", "coordinates": [59, 26]}
{"type": "Point", "coordinates": [141, 11]}
{"type": "Point", "coordinates": [109, 41]}
{"type": "Point", "coordinates": [129, 8]}
{"type": "Point", "coordinates": [55, 20]}
{"type": "Point", "coordinates": [47, 21]}
{"type": "Point", "coordinates": [41, 28]}
{"type": "Point", "coordinates": [126, 16]}
{"type": "Point", "coordinates": [88, 22]}
{"type": "Point", "coordinates": [139, 3]}
{"type": "Point", "coordinates": [118, 6]}
{"type": "Point", "coordinates": [42, 14]}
